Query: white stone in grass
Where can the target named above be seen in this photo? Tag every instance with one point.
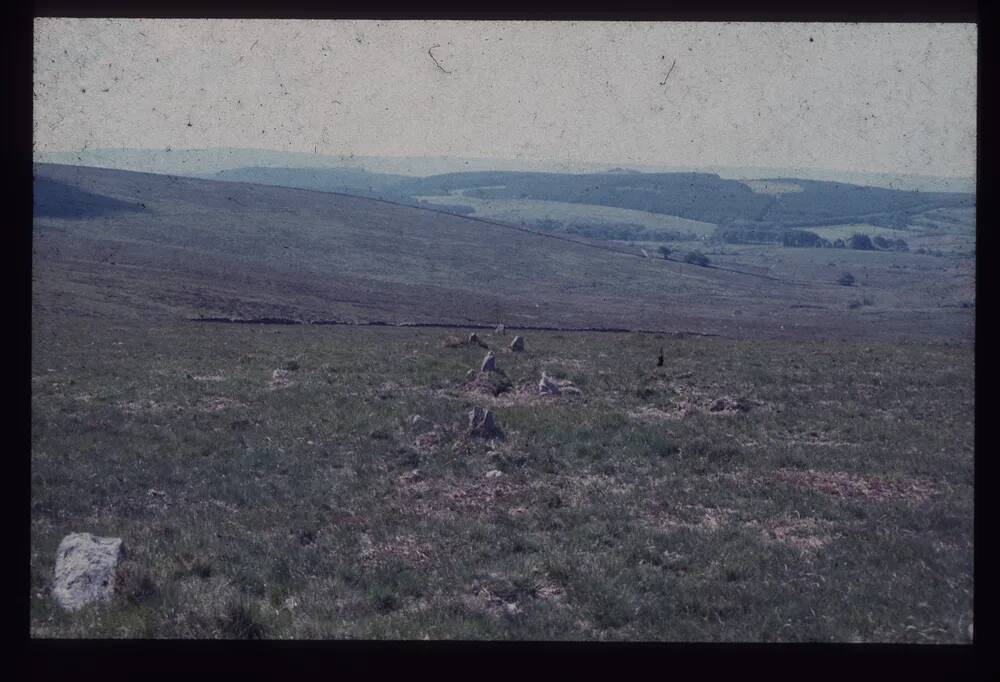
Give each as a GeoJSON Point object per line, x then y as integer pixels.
{"type": "Point", "coordinates": [548, 386]}
{"type": "Point", "coordinates": [494, 473]}
{"type": "Point", "coordinates": [85, 569]}
{"type": "Point", "coordinates": [552, 386]}
{"type": "Point", "coordinates": [421, 423]}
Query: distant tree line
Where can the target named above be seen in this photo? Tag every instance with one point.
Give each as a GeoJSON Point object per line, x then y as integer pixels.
{"type": "Point", "coordinates": [740, 232]}
{"type": "Point", "coordinates": [611, 231]}
{"type": "Point", "coordinates": [857, 241]}
{"type": "Point", "coordinates": [692, 257]}
{"type": "Point", "coordinates": [804, 238]}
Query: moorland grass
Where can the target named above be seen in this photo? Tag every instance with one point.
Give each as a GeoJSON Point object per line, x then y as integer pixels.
{"type": "Point", "coordinates": [307, 506]}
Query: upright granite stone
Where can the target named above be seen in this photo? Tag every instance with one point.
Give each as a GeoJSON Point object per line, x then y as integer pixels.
{"type": "Point", "coordinates": [517, 345]}
{"type": "Point", "coordinates": [489, 363]}
{"type": "Point", "coordinates": [481, 423]}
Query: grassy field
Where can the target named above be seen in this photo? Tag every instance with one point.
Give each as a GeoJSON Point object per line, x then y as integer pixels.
{"type": "Point", "coordinates": [269, 482]}
{"type": "Point", "coordinates": [845, 232]}
{"type": "Point", "coordinates": [532, 210]}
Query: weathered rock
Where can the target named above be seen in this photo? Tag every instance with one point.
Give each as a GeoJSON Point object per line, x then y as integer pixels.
{"type": "Point", "coordinates": [474, 340]}
{"type": "Point", "coordinates": [471, 374]}
{"type": "Point", "coordinates": [85, 569]}
{"type": "Point", "coordinates": [548, 385]}
{"type": "Point", "coordinates": [367, 545]}
{"type": "Point", "coordinates": [412, 476]}
{"type": "Point", "coordinates": [481, 423]}
{"type": "Point", "coordinates": [517, 345]}
{"type": "Point", "coordinates": [727, 404]}
{"type": "Point", "coordinates": [421, 424]}
{"type": "Point", "coordinates": [494, 473]}
{"type": "Point", "coordinates": [489, 363]}
{"type": "Point", "coordinates": [552, 386]}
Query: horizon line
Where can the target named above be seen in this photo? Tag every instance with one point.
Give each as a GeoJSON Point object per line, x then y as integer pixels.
{"type": "Point", "coordinates": [514, 160]}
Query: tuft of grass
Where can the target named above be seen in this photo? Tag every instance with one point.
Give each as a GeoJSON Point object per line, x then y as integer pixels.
{"type": "Point", "coordinates": [135, 583]}
{"type": "Point", "coordinates": [241, 620]}
{"type": "Point", "coordinates": [492, 383]}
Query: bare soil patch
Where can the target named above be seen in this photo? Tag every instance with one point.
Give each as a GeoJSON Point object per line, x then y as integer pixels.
{"type": "Point", "coordinates": [842, 484]}
{"type": "Point", "coordinates": [404, 547]}
{"type": "Point", "coordinates": [488, 384]}
{"type": "Point", "coordinates": [218, 403]}
{"type": "Point", "coordinates": [805, 534]}
{"type": "Point", "coordinates": [134, 407]}
{"type": "Point", "coordinates": [208, 377]}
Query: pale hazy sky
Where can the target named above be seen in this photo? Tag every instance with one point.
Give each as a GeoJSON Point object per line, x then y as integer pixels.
{"type": "Point", "coordinates": [891, 98]}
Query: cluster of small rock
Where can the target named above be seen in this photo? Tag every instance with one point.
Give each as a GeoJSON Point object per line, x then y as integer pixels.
{"type": "Point", "coordinates": [87, 566]}
{"type": "Point", "coordinates": [481, 420]}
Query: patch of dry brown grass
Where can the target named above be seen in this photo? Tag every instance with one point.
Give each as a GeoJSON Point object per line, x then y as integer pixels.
{"type": "Point", "coordinates": [842, 484]}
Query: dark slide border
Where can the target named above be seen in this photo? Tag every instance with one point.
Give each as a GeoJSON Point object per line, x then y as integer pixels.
{"type": "Point", "coordinates": [55, 659]}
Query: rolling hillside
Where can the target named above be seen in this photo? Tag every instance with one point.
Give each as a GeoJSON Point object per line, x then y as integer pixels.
{"type": "Point", "coordinates": [117, 244]}
{"type": "Point", "coordinates": [703, 197]}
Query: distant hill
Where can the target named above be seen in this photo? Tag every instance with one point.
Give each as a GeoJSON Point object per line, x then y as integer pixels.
{"type": "Point", "coordinates": [736, 201]}
{"type": "Point", "coordinates": [703, 197]}
{"type": "Point", "coordinates": [346, 180]}
{"type": "Point", "coordinates": [199, 162]}
{"type": "Point", "coordinates": [695, 196]}
{"type": "Point", "coordinates": [56, 199]}
{"type": "Point", "coordinates": [157, 246]}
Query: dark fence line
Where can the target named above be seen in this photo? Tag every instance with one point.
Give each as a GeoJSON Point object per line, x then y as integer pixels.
{"type": "Point", "coordinates": [443, 325]}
